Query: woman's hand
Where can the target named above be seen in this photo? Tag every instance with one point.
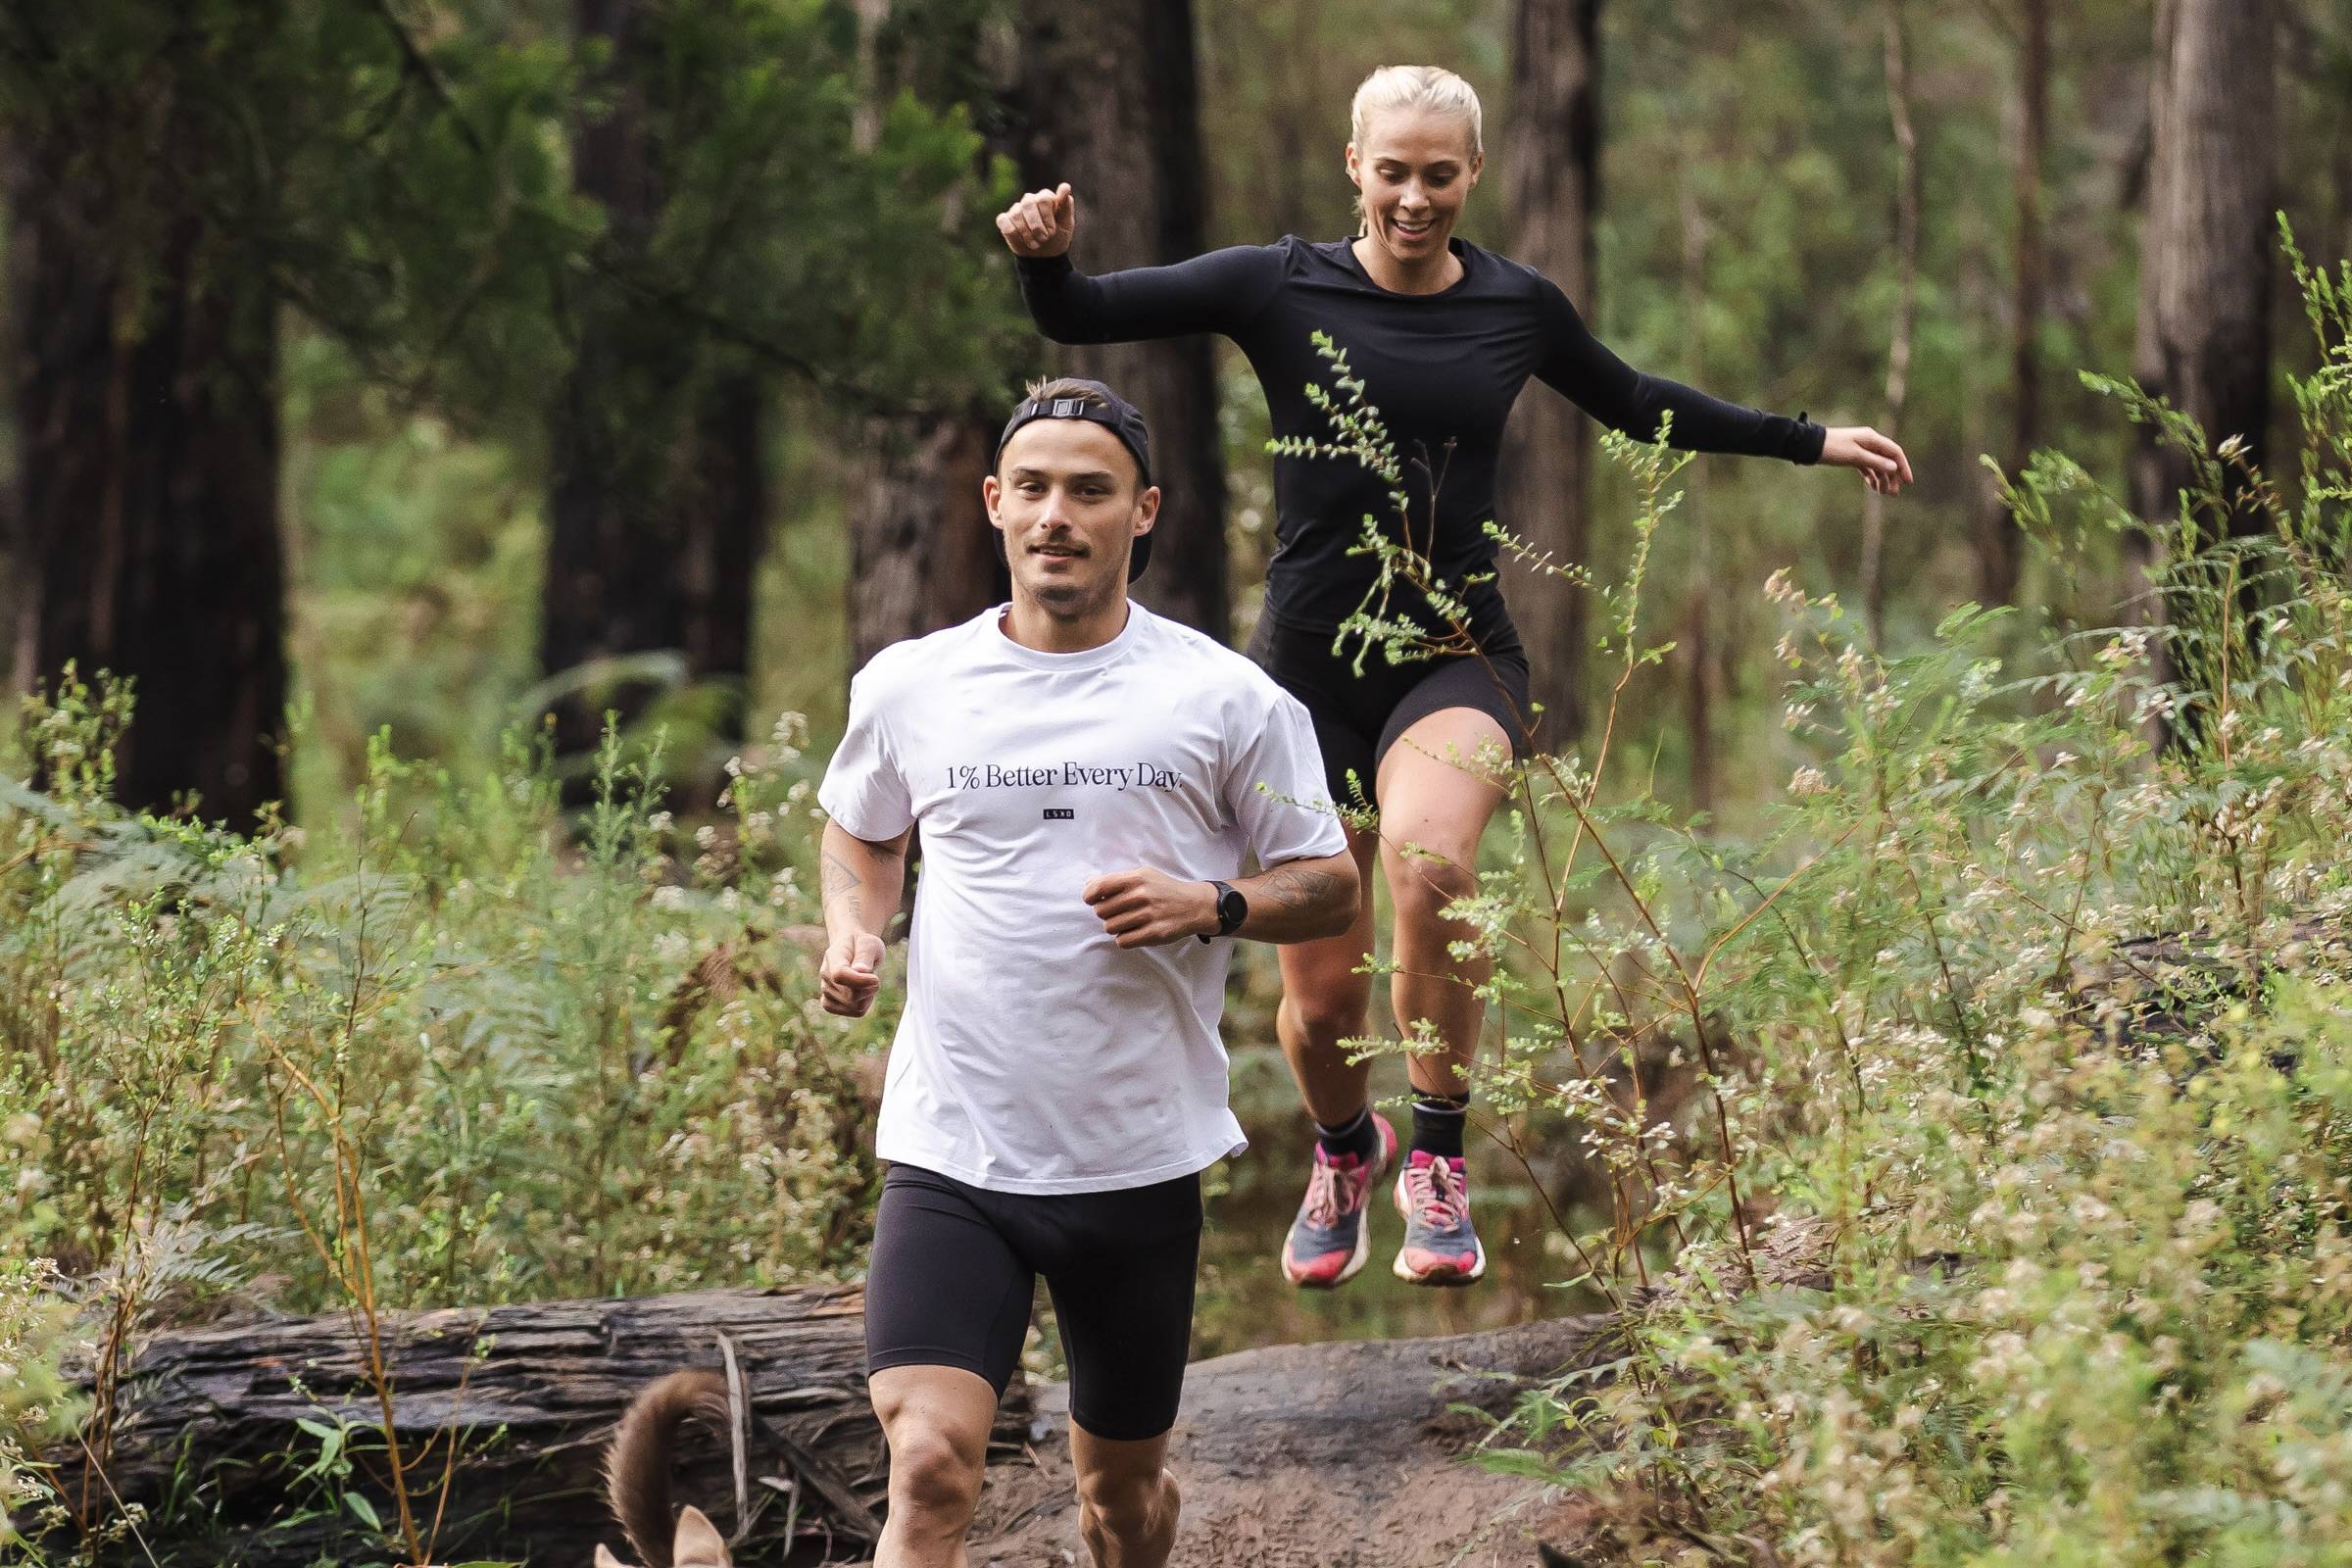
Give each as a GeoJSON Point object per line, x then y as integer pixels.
{"type": "Point", "coordinates": [1042, 222]}
{"type": "Point", "coordinates": [1884, 466]}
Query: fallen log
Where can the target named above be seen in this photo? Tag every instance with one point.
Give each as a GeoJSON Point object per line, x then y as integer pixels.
{"type": "Point", "coordinates": [222, 1431]}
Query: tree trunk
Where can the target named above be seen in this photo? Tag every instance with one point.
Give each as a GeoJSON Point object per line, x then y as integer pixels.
{"type": "Point", "coordinates": [1109, 102]}
{"type": "Point", "coordinates": [658, 496]}
{"type": "Point", "coordinates": [2203, 338]}
{"type": "Point", "coordinates": [1999, 544]}
{"type": "Point", "coordinates": [2152, 475]}
{"type": "Point", "coordinates": [922, 552]}
{"type": "Point", "coordinates": [144, 382]}
{"type": "Point", "coordinates": [530, 1392]}
{"type": "Point", "coordinates": [1553, 197]}
{"type": "Point", "coordinates": [921, 548]}
{"type": "Point", "coordinates": [2212, 246]}
{"type": "Point", "coordinates": [1907, 204]}
{"type": "Point", "coordinates": [1702, 680]}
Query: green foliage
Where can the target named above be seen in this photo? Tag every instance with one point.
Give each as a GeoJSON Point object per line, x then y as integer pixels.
{"type": "Point", "coordinates": [449, 1054]}
{"type": "Point", "coordinates": [402, 176]}
{"type": "Point", "coordinates": [1977, 1144]}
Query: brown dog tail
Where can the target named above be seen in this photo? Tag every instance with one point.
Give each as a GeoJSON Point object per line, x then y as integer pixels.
{"type": "Point", "coordinates": [637, 1466]}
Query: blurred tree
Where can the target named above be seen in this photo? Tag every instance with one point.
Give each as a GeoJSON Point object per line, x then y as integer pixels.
{"type": "Point", "coordinates": [1553, 195]}
{"type": "Point", "coordinates": [180, 178]}
{"type": "Point", "coordinates": [1894, 27]}
{"type": "Point", "coordinates": [1108, 101]}
{"type": "Point", "coordinates": [397, 177]}
{"type": "Point", "coordinates": [921, 546]}
{"type": "Point", "coordinates": [2000, 547]}
{"type": "Point", "coordinates": [142, 352]}
{"type": "Point", "coordinates": [2206, 252]}
{"type": "Point", "coordinates": [656, 493]}
{"type": "Point", "coordinates": [758, 217]}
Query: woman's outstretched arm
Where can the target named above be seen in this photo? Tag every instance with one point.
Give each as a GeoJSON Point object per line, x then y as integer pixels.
{"type": "Point", "coordinates": [1583, 369]}
{"type": "Point", "coordinates": [1221, 291]}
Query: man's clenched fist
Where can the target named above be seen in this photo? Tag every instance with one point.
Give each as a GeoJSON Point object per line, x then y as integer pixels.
{"type": "Point", "coordinates": [850, 973]}
{"type": "Point", "coordinates": [1147, 908]}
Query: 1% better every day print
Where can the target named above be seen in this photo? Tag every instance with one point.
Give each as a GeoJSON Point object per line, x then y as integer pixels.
{"type": "Point", "coordinates": [1061, 775]}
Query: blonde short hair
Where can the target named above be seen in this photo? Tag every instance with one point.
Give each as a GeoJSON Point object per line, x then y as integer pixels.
{"type": "Point", "coordinates": [1429, 87]}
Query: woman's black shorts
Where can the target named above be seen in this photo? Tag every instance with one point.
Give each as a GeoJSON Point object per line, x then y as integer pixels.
{"type": "Point", "coordinates": [955, 1269]}
{"type": "Point", "coordinates": [1358, 717]}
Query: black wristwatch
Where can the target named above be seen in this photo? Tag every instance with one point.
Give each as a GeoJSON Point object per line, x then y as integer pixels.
{"type": "Point", "coordinates": [1232, 910]}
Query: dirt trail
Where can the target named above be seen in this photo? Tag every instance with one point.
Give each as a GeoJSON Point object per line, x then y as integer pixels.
{"type": "Point", "coordinates": [1335, 1455]}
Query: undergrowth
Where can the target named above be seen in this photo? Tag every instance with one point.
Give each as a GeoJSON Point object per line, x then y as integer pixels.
{"type": "Point", "coordinates": [464, 1052]}
{"type": "Point", "coordinates": [1975, 1147]}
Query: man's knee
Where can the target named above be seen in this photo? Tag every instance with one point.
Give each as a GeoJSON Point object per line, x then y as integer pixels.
{"type": "Point", "coordinates": [932, 1473]}
{"type": "Point", "coordinates": [1129, 1505]}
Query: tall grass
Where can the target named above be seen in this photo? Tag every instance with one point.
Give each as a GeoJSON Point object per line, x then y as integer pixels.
{"type": "Point", "coordinates": [1976, 1144]}
{"type": "Point", "coordinates": [461, 1052]}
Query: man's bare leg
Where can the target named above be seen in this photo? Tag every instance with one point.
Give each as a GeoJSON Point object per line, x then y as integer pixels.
{"type": "Point", "coordinates": [935, 1420]}
{"type": "Point", "coordinates": [1127, 1500]}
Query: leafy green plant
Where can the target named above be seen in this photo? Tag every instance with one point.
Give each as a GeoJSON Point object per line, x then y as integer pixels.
{"type": "Point", "coordinates": [319, 1070]}
{"type": "Point", "coordinates": [1973, 1174]}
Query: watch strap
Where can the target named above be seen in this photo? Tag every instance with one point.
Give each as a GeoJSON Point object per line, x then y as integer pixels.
{"type": "Point", "coordinates": [1226, 894]}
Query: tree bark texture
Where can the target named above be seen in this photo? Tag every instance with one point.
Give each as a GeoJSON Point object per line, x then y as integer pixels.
{"type": "Point", "coordinates": [922, 552]}
{"type": "Point", "coordinates": [2207, 243]}
{"type": "Point", "coordinates": [1553, 198]}
{"type": "Point", "coordinates": [658, 504]}
{"type": "Point", "coordinates": [1110, 101]}
{"type": "Point", "coordinates": [532, 1393]}
{"type": "Point", "coordinates": [921, 548]}
{"type": "Point", "coordinates": [1894, 27]}
{"type": "Point", "coordinates": [2001, 546]}
{"type": "Point", "coordinates": [143, 376]}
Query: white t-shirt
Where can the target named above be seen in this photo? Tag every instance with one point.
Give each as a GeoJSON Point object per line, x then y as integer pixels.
{"type": "Point", "coordinates": [1035, 1055]}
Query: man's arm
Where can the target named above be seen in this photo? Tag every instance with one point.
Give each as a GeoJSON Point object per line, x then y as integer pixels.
{"type": "Point", "coordinates": [1296, 900]}
{"type": "Point", "coordinates": [862, 882]}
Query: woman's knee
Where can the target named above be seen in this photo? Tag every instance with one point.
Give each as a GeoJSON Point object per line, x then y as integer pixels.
{"type": "Point", "coordinates": [1422, 882]}
{"type": "Point", "coordinates": [1327, 1001]}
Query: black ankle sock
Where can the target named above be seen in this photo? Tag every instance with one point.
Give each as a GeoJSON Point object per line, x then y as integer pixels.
{"type": "Point", "coordinates": [1359, 1137]}
{"type": "Point", "coordinates": [1437, 1123]}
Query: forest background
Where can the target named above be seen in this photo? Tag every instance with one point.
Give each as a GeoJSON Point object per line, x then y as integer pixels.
{"type": "Point", "coordinates": [398, 388]}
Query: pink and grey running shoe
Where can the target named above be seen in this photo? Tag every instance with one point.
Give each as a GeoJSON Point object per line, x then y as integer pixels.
{"type": "Point", "coordinates": [1328, 1241]}
{"type": "Point", "coordinates": [1433, 1194]}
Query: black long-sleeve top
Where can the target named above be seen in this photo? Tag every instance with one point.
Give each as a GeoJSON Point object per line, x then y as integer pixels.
{"type": "Point", "coordinates": [1438, 368]}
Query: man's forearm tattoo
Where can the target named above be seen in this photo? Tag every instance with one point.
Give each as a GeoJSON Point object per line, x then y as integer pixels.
{"type": "Point", "coordinates": [1296, 888]}
{"type": "Point", "coordinates": [841, 880]}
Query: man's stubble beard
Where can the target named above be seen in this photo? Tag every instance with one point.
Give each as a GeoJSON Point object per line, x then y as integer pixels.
{"type": "Point", "coordinates": [1070, 601]}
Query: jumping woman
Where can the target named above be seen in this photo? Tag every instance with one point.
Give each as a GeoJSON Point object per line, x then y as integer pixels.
{"type": "Point", "coordinates": [1444, 334]}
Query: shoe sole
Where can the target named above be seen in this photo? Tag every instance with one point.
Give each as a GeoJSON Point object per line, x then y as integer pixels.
{"type": "Point", "coordinates": [1445, 1276]}
{"type": "Point", "coordinates": [1363, 1232]}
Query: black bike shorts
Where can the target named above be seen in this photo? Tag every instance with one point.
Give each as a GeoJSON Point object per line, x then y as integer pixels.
{"type": "Point", "coordinates": [1358, 717]}
{"type": "Point", "coordinates": [955, 1269]}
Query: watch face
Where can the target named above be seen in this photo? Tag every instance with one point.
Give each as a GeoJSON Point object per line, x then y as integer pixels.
{"type": "Point", "coordinates": [1232, 908]}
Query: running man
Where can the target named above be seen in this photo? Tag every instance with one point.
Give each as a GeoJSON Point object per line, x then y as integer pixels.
{"type": "Point", "coordinates": [1087, 779]}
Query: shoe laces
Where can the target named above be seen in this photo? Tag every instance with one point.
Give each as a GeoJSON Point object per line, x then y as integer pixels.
{"type": "Point", "coordinates": [1324, 1203]}
{"type": "Point", "coordinates": [1438, 1193]}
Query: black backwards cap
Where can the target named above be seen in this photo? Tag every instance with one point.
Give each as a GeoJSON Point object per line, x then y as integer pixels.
{"type": "Point", "coordinates": [1115, 414]}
